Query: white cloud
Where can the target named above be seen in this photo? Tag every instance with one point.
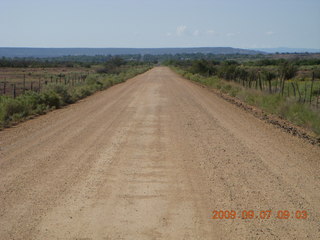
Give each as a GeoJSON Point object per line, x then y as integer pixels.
{"type": "Point", "coordinates": [181, 30]}
{"type": "Point", "coordinates": [230, 34]}
{"type": "Point", "coordinates": [211, 32]}
{"type": "Point", "coordinates": [168, 34]}
{"type": "Point", "coordinates": [196, 33]}
{"type": "Point", "coordinates": [269, 33]}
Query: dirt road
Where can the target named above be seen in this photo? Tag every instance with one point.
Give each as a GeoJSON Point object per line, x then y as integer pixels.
{"type": "Point", "coordinates": [152, 158]}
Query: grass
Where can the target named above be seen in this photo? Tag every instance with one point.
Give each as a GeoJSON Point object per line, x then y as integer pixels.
{"type": "Point", "coordinates": [16, 75]}
{"type": "Point", "coordinates": [57, 95]}
{"type": "Point", "coordinates": [288, 108]}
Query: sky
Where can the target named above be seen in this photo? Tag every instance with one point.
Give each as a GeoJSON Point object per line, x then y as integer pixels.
{"type": "Point", "coordinates": [161, 23]}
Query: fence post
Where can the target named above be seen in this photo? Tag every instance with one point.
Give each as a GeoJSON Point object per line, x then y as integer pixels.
{"type": "Point", "coordinates": [260, 81]}
{"type": "Point", "coordinates": [298, 90]}
{"type": "Point", "coordinates": [305, 91]}
{"type": "Point", "coordinates": [31, 87]}
{"type": "Point", "coordinates": [24, 83]}
{"type": "Point", "coordinates": [270, 87]}
{"type": "Point", "coordinates": [282, 86]}
{"type": "Point", "coordinates": [14, 90]}
{"type": "Point", "coordinates": [294, 89]}
{"type": "Point", "coordinates": [39, 84]}
{"type": "Point", "coordinates": [4, 88]}
{"type": "Point", "coordinates": [311, 87]}
{"type": "Point", "coordinates": [318, 97]}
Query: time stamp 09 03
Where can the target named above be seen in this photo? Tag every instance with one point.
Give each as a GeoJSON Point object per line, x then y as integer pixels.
{"type": "Point", "coordinates": [261, 214]}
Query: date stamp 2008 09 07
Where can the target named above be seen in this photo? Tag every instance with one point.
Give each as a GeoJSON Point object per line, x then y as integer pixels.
{"type": "Point", "coordinates": [264, 214]}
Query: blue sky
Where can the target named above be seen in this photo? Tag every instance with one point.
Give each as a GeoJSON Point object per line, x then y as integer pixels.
{"type": "Point", "coordinates": [162, 23]}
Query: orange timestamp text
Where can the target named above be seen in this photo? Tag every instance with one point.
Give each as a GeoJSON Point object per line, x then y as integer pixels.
{"type": "Point", "coordinates": [261, 214]}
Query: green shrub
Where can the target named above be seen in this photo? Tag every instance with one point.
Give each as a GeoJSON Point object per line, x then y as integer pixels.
{"type": "Point", "coordinates": [51, 99]}
{"type": "Point", "coordinates": [92, 79]}
{"type": "Point", "coordinates": [81, 92]}
{"type": "Point", "coordinates": [10, 107]}
{"type": "Point", "coordinates": [62, 91]}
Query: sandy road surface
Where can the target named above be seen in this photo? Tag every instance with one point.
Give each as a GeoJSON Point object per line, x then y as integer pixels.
{"type": "Point", "coordinates": [151, 159]}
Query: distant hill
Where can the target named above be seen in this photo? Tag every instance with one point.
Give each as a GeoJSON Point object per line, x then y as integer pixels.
{"type": "Point", "coordinates": [288, 50]}
{"type": "Point", "coordinates": [57, 52]}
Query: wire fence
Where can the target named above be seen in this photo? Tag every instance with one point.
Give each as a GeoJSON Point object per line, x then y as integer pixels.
{"type": "Point", "coordinates": [14, 88]}
{"type": "Point", "coordinates": [304, 90]}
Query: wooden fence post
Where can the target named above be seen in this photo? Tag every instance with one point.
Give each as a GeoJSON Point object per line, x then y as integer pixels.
{"type": "Point", "coordinates": [294, 89]}
{"type": "Point", "coordinates": [282, 86]}
{"type": "Point", "coordinates": [311, 87]}
{"type": "Point", "coordinates": [318, 97]}
{"type": "Point", "coordinates": [298, 90]}
{"type": "Point", "coordinates": [4, 87]}
{"type": "Point", "coordinates": [276, 87]}
{"type": "Point", "coordinates": [13, 90]}
{"type": "Point", "coordinates": [305, 91]}
{"type": "Point", "coordinates": [24, 83]}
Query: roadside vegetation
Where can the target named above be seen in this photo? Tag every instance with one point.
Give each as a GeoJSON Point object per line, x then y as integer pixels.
{"type": "Point", "coordinates": [286, 88]}
{"type": "Point", "coordinates": [58, 94]}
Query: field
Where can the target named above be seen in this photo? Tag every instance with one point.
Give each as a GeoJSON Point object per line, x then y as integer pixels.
{"type": "Point", "coordinates": [24, 79]}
